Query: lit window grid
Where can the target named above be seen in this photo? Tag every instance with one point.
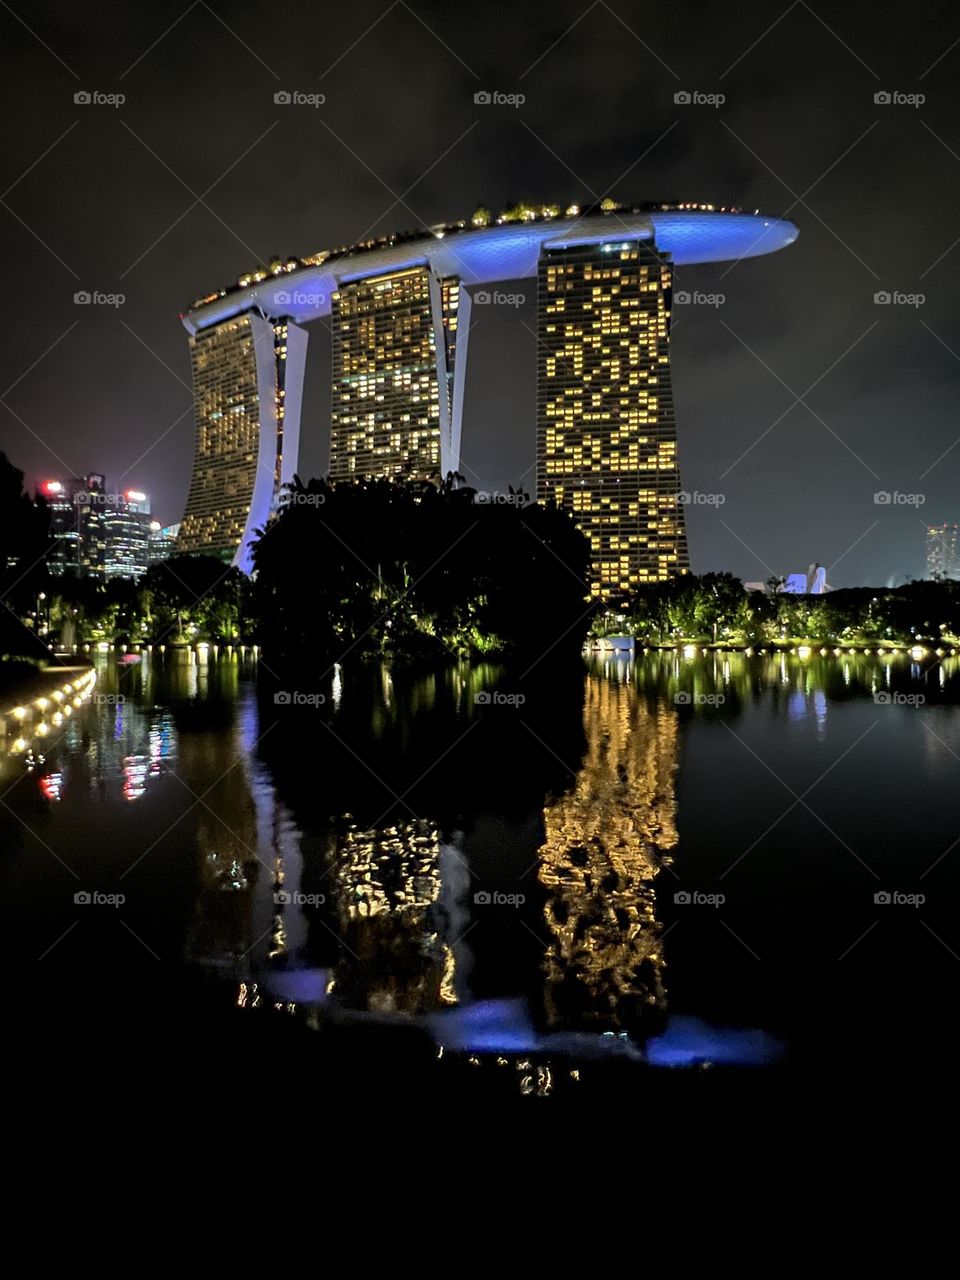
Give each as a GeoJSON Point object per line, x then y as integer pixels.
{"type": "Point", "coordinates": [606, 446]}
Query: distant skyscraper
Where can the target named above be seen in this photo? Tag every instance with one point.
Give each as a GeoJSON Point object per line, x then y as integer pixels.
{"type": "Point", "coordinates": [127, 519]}
{"type": "Point", "coordinates": [394, 345]}
{"type": "Point", "coordinates": [606, 433]}
{"type": "Point", "coordinates": [943, 559]}
{"type": "Point", "coordinates": [247, 431]}
{"type": "Point", "coordinates": [77, 525]}
{"type": "Point", "coordinates": [162, 542]}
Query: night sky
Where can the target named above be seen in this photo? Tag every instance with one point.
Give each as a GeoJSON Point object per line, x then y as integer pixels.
{"type": "Point", "coordinates": [198, 176]}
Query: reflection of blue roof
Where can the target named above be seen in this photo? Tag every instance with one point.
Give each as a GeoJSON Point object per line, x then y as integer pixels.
{"type": "Point", "coordinates": [485, 255]}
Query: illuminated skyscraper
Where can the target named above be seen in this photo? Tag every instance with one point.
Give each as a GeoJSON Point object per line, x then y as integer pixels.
{"type": "Point", "coordinates": [394, 341]}
{"type": "Point", "coordinates": [247, 431]}
{"type": "Point", "coordinates": [400, 319]}
{"type": "Point", "coordinates": [127, 521]}
{"type": "Point", "coordinates": [77, 525]}
{"type": "Point", "coordinates": [943, 559]}
{"type": "Point", "coordinates": [606, 433]}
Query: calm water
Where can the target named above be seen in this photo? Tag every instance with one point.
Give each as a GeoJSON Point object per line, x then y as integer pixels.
{"type": "Point", "coordinates": [656, 863]}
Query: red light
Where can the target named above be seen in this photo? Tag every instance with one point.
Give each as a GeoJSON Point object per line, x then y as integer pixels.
{"type": "Point", "coordinates": [53, 486]}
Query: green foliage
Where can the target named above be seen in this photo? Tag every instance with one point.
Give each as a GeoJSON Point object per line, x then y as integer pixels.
{"type": "Point", "coordinates": [398, 569]}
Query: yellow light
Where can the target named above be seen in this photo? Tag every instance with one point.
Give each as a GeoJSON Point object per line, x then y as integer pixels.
{"type": "Point", "coordinates": [918, 651]}
{"type": "Point", "coordinates": [42, 703]}
{"type": "Point", "coordinates": [19, 712]}
{"type": "Point", "coordinates": [42, 730]}
{"type": "Point", "coordinates": [804, 651]}
{"type": "Point", "coordinates": [19, 745]}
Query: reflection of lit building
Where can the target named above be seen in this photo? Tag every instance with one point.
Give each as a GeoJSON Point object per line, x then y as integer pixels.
{"type": "Point", "coordinates": [943, 560]}
{"type": "Point", "coordinates": [605, 839]}
{"type": "Point", "coordinates": [606, 432]}
{"type": "Point", "coordinates": [387, 888]}
{"type": "Point", "coordinates": [393, 352]}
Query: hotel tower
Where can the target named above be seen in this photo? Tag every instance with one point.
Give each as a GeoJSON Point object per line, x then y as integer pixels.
{"type": "Point", "coordinates": [399, 311]}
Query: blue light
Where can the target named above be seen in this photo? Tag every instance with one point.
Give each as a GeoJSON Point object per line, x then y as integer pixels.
{"type": "Point", "coordinates": [688, 1042]}
{"type": "Point", "coordinates": [487, 255]}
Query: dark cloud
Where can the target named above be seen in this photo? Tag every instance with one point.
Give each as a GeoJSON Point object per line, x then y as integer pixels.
{"type": "Point", "coordinates": [113, 206]}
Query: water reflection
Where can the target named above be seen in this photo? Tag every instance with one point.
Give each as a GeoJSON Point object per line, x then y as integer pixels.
{"type": "Point", "coordinates": [606, 841]}
{"type": "Point", "coordinates": [569, 799]}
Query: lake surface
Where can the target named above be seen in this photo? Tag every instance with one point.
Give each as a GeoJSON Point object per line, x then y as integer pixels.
{"type": "Point", "coordinates": [744, 861]}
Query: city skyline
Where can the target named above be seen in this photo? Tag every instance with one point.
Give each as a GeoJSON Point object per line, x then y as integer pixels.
{"type": "Point", "coordinates": [816, 118]}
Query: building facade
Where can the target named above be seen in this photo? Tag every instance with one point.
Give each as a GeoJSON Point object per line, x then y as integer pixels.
{"type": "Point", "coordinates": [78, 528]}
{"type": "Point", "coordinates": [400, 309]}
{"type": "Point", "coordinates": [162, 542]}
{"type": "Point", "coordinates": [127, 519]}
{"type": "Point", "coordinates": [943, 551]}
{"type": "Point", "coordinates": [247, 420]}
{"type": "Point", "coordinates": [606, 431]}
{"type": "Point", "coordinates": [394, 351]}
